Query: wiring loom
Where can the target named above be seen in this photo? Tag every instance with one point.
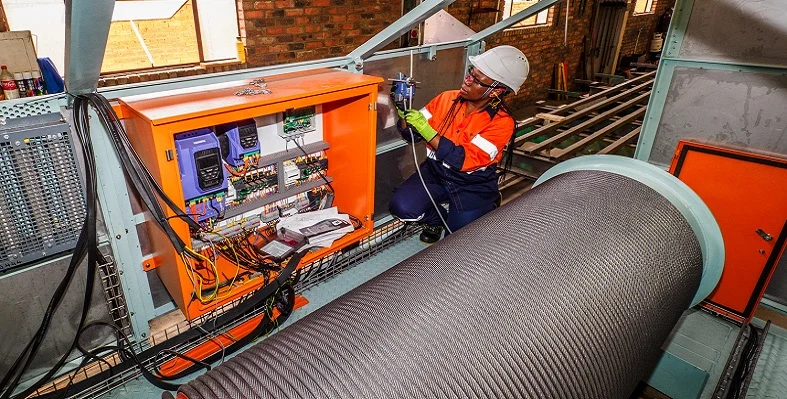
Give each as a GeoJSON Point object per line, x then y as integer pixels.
{"type": "Point", "coordinates": [87, 247]}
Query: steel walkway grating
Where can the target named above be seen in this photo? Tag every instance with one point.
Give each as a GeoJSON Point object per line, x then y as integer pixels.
{"type": "Point", "coordinates": [770, 375]}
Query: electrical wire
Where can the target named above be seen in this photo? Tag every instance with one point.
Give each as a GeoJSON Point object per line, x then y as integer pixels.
{"type": "Point", "coordinates": [437, 208]}
{"type": "Point", "coordinates": [279, 287]}
{"type": "Point", "coordinates": [744, 366]}
{"type": "Point", "coordinates": [313, 164]}
{"type": "Point", "coordinates": [86, 246]}
{"type": "Point", "coordinates": [423, 182]}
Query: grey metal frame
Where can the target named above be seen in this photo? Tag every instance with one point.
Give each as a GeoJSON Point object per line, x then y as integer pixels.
{"type": "Point", "coordinates": [87, 29]}
{"type": "Point", "coordinates": [87, 33]}
{"type": "Point", "coordinates": [672, 59]}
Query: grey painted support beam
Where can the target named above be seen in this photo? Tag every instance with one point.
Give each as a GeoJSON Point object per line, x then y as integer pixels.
{"type": "Point", "coordinates": [625, 140]}
{"type": "Point", "coordinates": [417, 15]}
{"type": "Point", "coordinates": [520, 16]}
{"type": "Point", "coordinates": [87, 32]}
{"type": "Point", "coordinates": [552, 127]}
{"type": "Point", "coordinates": [554, 140]}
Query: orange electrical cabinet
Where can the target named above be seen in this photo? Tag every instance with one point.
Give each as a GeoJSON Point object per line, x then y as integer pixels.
{"type": "Point", "coordinates": [347, 102]}
{"type": "Point", "coordinates": [747, 194]}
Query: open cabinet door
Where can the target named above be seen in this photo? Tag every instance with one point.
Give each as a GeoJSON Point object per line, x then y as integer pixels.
{"type": "Point", "coordinates": [747, 194]}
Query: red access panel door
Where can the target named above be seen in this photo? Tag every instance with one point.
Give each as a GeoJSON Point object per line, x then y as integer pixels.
{"type": "Point", "coordinates": [747, 193]}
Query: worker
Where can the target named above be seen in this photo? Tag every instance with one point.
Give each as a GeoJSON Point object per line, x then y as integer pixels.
{"type": "Point", "coordinates": [466, 131]}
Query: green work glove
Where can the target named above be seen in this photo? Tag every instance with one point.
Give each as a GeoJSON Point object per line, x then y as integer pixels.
{"type": "Point", "coordinates": [399, 112]}
{"type": "Point", "coordinates": [418, 121]}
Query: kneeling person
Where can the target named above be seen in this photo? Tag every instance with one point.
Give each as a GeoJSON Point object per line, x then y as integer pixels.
{"type": "Point", "coordinates": [466, 131]}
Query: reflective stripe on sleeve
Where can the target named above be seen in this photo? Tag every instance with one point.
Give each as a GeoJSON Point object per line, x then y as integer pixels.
{"type": "Point", "coordinates": [485, 145]}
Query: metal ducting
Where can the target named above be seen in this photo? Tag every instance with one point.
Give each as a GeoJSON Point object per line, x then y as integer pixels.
{"type": "Point", "coordinates": [566, 292]}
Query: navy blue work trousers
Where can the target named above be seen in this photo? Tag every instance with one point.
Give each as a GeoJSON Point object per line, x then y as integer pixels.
{"type": "Point", "coordinates": [467, 201]}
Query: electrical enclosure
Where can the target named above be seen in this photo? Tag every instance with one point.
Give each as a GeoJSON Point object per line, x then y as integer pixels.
{"type": "Point", "coordinates": [261, 176]}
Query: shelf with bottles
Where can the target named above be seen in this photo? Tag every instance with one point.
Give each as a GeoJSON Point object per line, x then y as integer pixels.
{"type": "Point", "coordinates": [21, 84]}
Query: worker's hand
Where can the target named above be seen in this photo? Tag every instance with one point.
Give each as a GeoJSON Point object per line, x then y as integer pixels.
{"type": "Point", "coordinates": [398, 105]}
{"type": "Point", "coordinates": [419, 122]}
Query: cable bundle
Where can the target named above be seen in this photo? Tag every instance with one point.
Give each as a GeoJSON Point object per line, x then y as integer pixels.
{"type": "Point", "coordinates": [86, 246]}
{"type": "Point", "coordinates": [279, 293]}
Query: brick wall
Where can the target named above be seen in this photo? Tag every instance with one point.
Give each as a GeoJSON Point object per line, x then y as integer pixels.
{"type": "Point", "coordinates": [283, 31]}
{"type": "Point", "coordinates": [640, 27]}
{"type": "Point", "coordinates": [3, 22]}
{"type": "Point", "coordinates": [170, 42]}
{"type": "Point", "coordinates": [543, 45]}
{"type": "Point", "coordinates": [280, 31]}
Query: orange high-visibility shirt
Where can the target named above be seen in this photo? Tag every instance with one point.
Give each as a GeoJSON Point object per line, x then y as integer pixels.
{"type": "Point", "coordinates": [471, 142]}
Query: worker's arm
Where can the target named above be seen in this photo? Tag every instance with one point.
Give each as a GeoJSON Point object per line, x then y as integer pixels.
{"type": "Point", "coordinates": [482, 149]}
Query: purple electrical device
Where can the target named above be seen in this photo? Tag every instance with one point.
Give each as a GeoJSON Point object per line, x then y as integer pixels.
{"type": "Point", "coordinates": [202, 173]}
{"type": "Point", "coordinates": [237, 140]}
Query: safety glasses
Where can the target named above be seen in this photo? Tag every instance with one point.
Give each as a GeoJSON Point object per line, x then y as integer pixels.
{"type": "Point", "coordinates": [470, 78]}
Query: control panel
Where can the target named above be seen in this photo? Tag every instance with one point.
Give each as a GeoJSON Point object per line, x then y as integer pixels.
{"type": "Point", "coordinates": [238, 164]}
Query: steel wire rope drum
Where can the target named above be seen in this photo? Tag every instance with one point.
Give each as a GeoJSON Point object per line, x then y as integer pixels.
{"type": "Point", "coordinates": [566, 292]}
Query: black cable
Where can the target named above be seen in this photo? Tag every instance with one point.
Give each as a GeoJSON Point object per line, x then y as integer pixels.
{"type": "Point", "coordinates": [258, 297]}
{"type": "Point", "coordinates": [87, 245]}
{"type": "Point", "coordinates": [743, 369]}
{"type": "Point", "coordinates": [109, 112]}
{"type": "Point", "coordinates": [142, 181]}
{"type": "Point", "coordinates": [357, 223]}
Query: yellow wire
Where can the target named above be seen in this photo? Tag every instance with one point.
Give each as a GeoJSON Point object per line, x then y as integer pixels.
{"type": "Point", "coordinates": [191, 273]}
{"type": "Point", "coordinates": [237, 265]}
{"type": "Point", "coordinates": [215, 274]}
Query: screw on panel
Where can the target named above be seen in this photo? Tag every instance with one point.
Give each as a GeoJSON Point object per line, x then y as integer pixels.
{"type": "Point", "coordinates": [117, 236]}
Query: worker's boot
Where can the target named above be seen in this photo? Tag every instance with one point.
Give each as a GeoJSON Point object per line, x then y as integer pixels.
{"type": "Point", "coordinates": [431, 234]}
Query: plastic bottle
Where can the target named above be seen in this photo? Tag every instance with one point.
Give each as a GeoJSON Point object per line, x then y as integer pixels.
{"type": "Point", "coordinates": [20, 84]}
{"type": "Point", "coordinates": [29, 84]}
{"type": "Point", "coordinates": [8, 83]}
{"type": "Point", "coordinates": [38, 83]}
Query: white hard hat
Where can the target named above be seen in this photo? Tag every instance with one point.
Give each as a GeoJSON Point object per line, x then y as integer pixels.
{"type": "Point", "coordinates": [505, 64]}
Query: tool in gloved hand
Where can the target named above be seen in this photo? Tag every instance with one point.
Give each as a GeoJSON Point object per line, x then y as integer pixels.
{"type": "Point", "coordinates": [402, 92]}
{"type": "Point", "coordinates": [418, 121]}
